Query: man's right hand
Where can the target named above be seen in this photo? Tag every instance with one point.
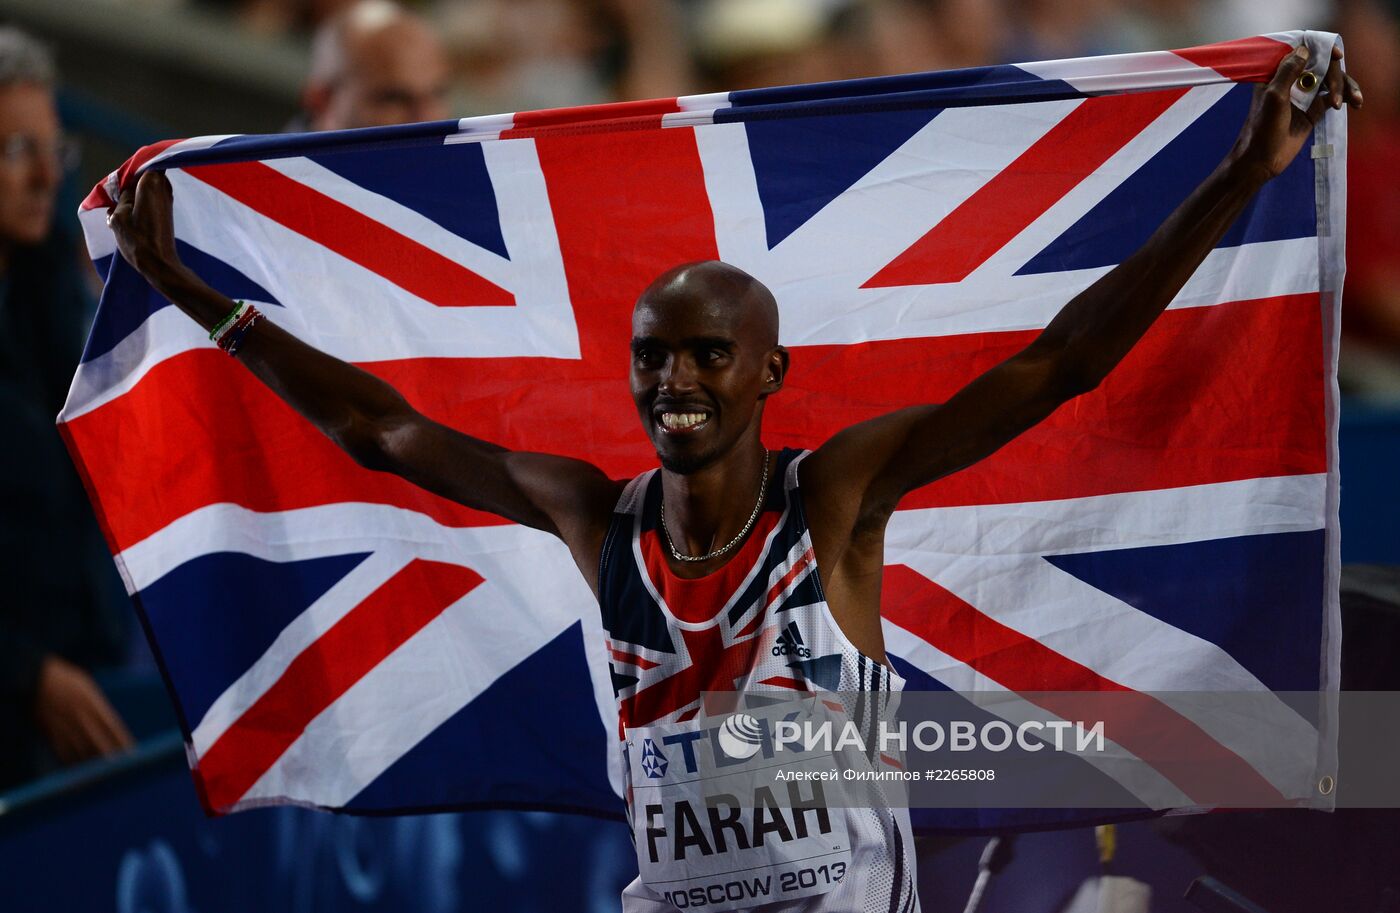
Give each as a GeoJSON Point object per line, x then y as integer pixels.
{"type": "Point", "coordinates": [74, 715]}
{"type": "Point", "coordinates": [144, 226]}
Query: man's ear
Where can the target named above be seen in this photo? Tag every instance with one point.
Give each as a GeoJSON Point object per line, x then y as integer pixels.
{"type": "Point", "coordinates": [775, 371]}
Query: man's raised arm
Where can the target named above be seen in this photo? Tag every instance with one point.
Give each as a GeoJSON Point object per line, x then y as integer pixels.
{"type": "Point", "coordinates": [863, 471]}
{"type": "Point", "coordinates": [366, 417]}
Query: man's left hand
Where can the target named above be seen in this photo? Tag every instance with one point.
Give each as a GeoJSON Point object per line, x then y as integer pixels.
{"type": "Point", "coordinates": [1276, 129]}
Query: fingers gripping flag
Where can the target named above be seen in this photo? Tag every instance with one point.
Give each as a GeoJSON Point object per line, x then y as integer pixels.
{"type": "Point", "coordinates": [339, 638]}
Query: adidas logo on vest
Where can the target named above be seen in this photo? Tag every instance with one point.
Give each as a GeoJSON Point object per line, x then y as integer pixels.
{"type": "Point", "coordinates": [790, 643]}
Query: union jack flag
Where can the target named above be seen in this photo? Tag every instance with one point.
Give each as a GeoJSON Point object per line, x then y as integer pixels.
{"type": "Point", "coordinates": [338, 638]}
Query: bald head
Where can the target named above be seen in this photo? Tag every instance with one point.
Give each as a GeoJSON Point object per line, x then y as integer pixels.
{"type": "Point", "coordinates": [720, 291]}
{"type": "Point", "coordinates": [375, 64]}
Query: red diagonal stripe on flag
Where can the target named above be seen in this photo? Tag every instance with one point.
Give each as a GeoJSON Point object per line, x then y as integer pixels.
{"type": "Point", "coordinates": [632, 659]}
{"type": "Point", "coordinates": [784, 681]}
{"type": "Point", "coordinates": [413, 267]}
{"type": "Point", "coordinates": [325, 670]}
{"type": "Point", "coordinates": [1177, 748]}
{"type": "Point", "coordinates": [797, 567]}
{"type": "Point", "coordinates": [1003, 207]}
{"type": "Point", "coordinates": [1246, 60]}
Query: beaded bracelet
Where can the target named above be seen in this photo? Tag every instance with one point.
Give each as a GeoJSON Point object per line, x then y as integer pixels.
{"type": "Point", "coordinates": [229, 318]}
{"type": "Point", "coordinates": [228, 334]}
{"type": "Point", "coordinates": [234, 338]}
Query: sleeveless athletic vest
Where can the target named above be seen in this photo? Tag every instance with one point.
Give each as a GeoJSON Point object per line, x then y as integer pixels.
{"type": "Point", "coordinates": [760, 623]}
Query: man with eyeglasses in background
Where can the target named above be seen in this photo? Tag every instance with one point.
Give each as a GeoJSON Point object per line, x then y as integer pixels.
{"type": "Point", "coordinates": [374, 64]}
{"type": "Point", "coordinates": [61, 614]}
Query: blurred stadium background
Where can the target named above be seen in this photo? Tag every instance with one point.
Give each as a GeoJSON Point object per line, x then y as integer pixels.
{"type": "Point", "coordinates": [123, 831]}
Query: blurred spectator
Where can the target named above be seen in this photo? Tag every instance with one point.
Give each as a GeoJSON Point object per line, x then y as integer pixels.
{"type": "Point", "coordinates": [745, 44]}
{"type": "Point", "coordinates": [374, 64]}
{"type": "Point", "coordinates": [1053, 29]}
{"type": "Point", "coordinates": [1149, 25]}
{"type": "Point", "coordinates": [58, 618]}
{"type": "Point", "coordinates": [1241, 18]}
{"type": "Point", "coordinates": [275, 17]}
{"type": "Point", "coordinates": [1154, 25]}
{"type": "Point", "coordinates": [650, 48]}
{"type": "Point", "coordinates": [526, 54]}
{"type": "Point", "coordinates": [518, 55]}
{"type": "Point", "coordinates": [1371, 305]}
{"type": "Point", "coordinates": [913, 36]}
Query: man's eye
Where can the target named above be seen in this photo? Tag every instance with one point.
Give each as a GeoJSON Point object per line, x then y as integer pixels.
{"type": "Point", "coordinates": [646, 357]}
{"type": "Point", "coordinates": [714, 356]}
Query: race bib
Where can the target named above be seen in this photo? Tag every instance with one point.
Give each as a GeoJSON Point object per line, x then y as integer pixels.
{"type": "Point", "coordinates": [723, 818]}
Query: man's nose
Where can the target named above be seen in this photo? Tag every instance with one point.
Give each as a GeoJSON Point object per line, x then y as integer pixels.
{"type": "Point", "coordinates": [678, 377]}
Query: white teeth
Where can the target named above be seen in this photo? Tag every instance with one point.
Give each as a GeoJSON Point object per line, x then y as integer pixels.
{"type": "Point", "coordinates": [675, 421]}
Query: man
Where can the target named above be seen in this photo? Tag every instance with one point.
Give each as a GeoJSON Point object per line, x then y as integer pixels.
{"type": "Point", "coordinates": [55, 620]}
{"type": "Point", "coordinates": [374, 65]}
{"type": "Point", "coordinates": [735, 557]}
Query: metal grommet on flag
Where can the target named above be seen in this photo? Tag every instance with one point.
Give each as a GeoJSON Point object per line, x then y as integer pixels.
{"type": "Point", "coordinates": [1326, 785]}
{"type": "Point", "coordinates": [1305, 88]}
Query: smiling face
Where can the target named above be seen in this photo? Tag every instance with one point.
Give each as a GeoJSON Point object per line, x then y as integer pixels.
{"type": "Point", "coordinates": [705, 355]}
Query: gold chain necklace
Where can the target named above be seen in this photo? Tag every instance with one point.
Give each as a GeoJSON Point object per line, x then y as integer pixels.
{"type": "Point", "coordinates": [757, 508]}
